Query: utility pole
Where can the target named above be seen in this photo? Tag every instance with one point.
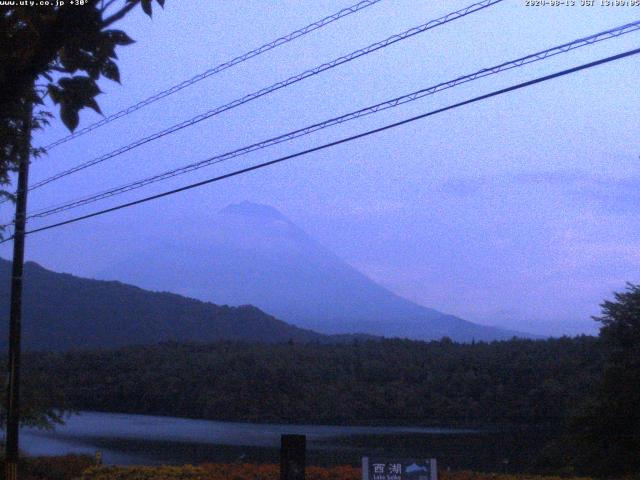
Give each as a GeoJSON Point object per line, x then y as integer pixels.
{"type": "Point", "coordinates": [15, 318]}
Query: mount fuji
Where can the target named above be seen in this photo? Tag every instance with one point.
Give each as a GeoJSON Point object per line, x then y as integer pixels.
{"type": "Point", "coordinates": [252, 254]}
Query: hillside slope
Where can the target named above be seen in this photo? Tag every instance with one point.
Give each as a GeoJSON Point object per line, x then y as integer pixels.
{"type": "Point", "coordinates": [252, 254]}
{"type": "Point", "coordinates": [62, 312]}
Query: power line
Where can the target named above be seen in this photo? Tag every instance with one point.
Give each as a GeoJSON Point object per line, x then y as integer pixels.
{"type": "Point", "coordinates": [538, 56]}
{"type": "Point", "coordinates": [341, 141]}
{"type": "Point", "coordinates": [217, 69]}
{"type": "Point", "coordinates": [290, 81]}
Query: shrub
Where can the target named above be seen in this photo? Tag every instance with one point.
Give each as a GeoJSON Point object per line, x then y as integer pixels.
{"type": "Point", "coordinates": [66, 467]}
{"type": "Point", "coordinates": [186, 472]}
{"type": "Point", "coordinates": [272, 472]}
{"type": "Point", "coordinates": [219, 471]}
{"type": "Point", "coordinates": [79, 467]}
{"type": "Point", "coordinates": [465, 475]}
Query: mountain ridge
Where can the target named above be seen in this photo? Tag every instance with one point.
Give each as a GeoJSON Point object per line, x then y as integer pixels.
{"type": "Point", "coordinates": [253, 254]}
{"type": "Point", "coordinates": [62, 311]}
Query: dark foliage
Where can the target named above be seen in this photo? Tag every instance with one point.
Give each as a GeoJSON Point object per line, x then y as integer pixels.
{"type": "Point", "coordinates": [606, 429]}
{"type": "Point", "coordinates": [57, 51]}
{"type": "Point", "coordinates": [390, 381]}
{"type": "Point", "coordinates": [66, 467]}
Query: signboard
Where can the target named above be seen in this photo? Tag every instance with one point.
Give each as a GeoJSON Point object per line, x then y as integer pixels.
{"type": "Point", "coordinates": [374, 468]}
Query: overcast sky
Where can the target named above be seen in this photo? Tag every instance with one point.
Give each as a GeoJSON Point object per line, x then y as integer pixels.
{"type": "Point", "coordinates": [520, 211]}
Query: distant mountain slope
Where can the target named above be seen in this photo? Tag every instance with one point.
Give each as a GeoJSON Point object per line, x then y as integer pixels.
{"type": "Point", "coordinates": [252, 254]}
{"type": "Point", "coordinates": [62, 311]}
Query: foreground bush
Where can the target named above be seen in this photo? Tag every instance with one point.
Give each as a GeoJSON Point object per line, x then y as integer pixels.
{"type": "Point", "coordinates": [266, 472]}
{"type": "Point", "coordinates": [68, 467]}
{"type": "Point", "coordinates": [272, 472]}
{"type": "Point", "coordinates": [498, 476]}
{"type": "Point", "coordinates": [186, 472]}
{"type": "Point", "coordinates": [215, 472]}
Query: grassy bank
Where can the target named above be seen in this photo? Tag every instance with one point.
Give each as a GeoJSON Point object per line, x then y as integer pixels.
{"type": "Point", "coordinates": [74, 467]}
{"type": "Point", "coordinates": [67, 467]}
{"type": "Point", "coordinates": [266, 472]}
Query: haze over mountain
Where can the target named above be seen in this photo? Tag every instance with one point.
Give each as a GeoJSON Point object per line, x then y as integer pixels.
{"type": "Point", "coordinates": [252, 254]}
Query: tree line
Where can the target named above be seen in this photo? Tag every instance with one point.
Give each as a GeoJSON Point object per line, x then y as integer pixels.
{"type": "Point", "coordinates": [585, 390]}
{"type": "Point", "coordinates": [367, 382]}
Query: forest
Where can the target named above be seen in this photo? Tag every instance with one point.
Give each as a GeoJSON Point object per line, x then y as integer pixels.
{"type": "Point", "coordinates": [582, 391]}
{"type": "Point", "coordinates": [517, 382]}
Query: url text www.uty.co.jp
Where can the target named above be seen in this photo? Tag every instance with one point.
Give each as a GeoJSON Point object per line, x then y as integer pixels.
{"type": "Point", "coordinates": [42, 3]}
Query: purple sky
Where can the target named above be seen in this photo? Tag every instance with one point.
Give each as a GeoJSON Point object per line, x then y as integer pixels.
{"type": "Point", "coordinates": [520, 211]}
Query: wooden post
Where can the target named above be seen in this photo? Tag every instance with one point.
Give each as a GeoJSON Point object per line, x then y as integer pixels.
{"type": "Point", "coordinates": [15, 316]}
{"type": "Point", "coordinates": [292, 457]}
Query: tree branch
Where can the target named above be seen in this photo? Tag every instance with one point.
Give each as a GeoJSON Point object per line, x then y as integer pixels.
{"type": "Point", "coordinates": [119, 14]}
{"type": "Point", "coordinates": [67, 24]}
{"type": "Point", "coordinates": [104, 7]}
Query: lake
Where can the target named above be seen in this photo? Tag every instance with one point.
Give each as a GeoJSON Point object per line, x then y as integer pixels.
{"type": "Point", "coordinates": [146, 439]}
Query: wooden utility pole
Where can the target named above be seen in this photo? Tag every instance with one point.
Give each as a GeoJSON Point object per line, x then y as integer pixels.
{"type": "Point", "coordinates": [15, 318]}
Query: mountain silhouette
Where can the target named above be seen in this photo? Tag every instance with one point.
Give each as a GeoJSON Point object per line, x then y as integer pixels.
{"type": "Point", "coordinates": [252, 254]}
{"type": "Point", "coordinates": [62, 312]}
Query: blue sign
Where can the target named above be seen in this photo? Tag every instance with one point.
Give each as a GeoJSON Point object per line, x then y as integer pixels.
{"type": "Point", "coordinates": [374, 468]}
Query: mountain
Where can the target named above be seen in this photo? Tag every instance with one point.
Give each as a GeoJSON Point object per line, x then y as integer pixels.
{"type": "Point", "coordinates": [62, 312]}
{"type": "Point", "coordinates": [252, 254]}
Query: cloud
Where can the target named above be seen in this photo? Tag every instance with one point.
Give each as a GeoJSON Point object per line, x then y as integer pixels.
{"type": "Point", "coordinates": [614, 194]}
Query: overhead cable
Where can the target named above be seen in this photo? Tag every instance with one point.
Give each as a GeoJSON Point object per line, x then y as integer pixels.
{"type": "Point", "coordinates": [341, 141]}
{"type": "Point", "coordinates": [535, 57]}
{"type": "Point", "coordinates": [217, 69]}
{"type": "Point", "coordinates": [277, 86]}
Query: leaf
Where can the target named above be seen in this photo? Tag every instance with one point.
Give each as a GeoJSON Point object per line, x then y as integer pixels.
{"type": "Point", "coordinates": [161, 3]}
{"type": "Point", "coordinates": [69, 116]}
{"type": "Point", "coordinates": [74, 94]}
{"type": "Point", "coordinates": [70, 59]}
{"type": "Point", "coordinates": [110, 70]}
{"type": "Point", "coordinates": [119, 37]}
{"type": "Point", "coordinates": [92, 104]}
{"type": "Point", "coordinates": [93, 70]}
{"type": "Point", "coordinates": [146, 6]}
{"type": "Point", "coordinates": [55, 93]}
{"type": "Point", "coordinates": [79, 87]}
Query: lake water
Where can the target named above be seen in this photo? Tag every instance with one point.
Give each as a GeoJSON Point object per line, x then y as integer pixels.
{"type": "Point", "coordinates": [145, 439]}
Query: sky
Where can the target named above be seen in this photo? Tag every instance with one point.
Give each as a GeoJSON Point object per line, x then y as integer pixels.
{"type": "Point", "coordinates": [519, 211]}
